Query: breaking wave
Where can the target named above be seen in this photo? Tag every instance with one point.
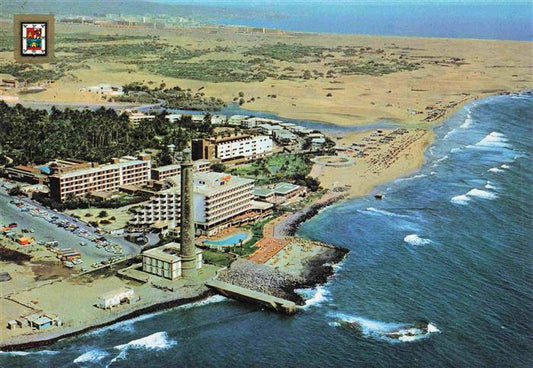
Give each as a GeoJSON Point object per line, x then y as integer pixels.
{"type": "Point", "coordinates": [375, 211]}
{"type": "Point", "coordinates": [460, 199]}
{"type": "Point", "coordinates": [468, 122]}
{"type": "Point", "coordinates": [463, 199]}
{"type": "Point", "coordinates": [495, 169]}
{"type": "Point", "coordinates": [414, 239]}
{"type": "Point", "coordinates": [505, 166]}
{"type": "Point", "coordinates": [92, 356]}
{"type": "Point", "coordinates": [478, 193]}
{"type": "Point", "coordinates": [385, 331]}
{"type": "Point", "coordinates": [157, 341]}
{"type": "Point", "coordinates": [493, 139]}
{"type": "Point", "coordinates": [481, 194]}
{"type": "Point", "coordinates": [314, 297]}
{"type": "Point", "coordinates": [211, 300]}
{"type": "Point", "coordinates": [124, 325]}
{"type": "Point", "coordinates": [412, 177]}
{"type": "Point", "coordinates": [490, 186]}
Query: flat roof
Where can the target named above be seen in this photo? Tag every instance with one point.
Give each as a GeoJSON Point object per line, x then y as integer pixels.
{"type": "Point", "coordinates": [212, 182]}
{"type": "Point", "coordinates": [42, 320]}
{"type": "Point", "coordinates": [167, 167]}
{"type": "Point", "coordinates": [263, 192]}
{"type": "Point", "coordinates": [113, 293]}
{"type": "Point", "coordinates": [90, 170]}
{"type": "Point", "coordinates": [261, 205]}
{"type": "Point", "coordinates": [284, 188]}
{"type": "Point", "coordinates": [167, 253]}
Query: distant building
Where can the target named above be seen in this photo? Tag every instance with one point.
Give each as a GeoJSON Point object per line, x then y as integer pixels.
{"type": "Point", "coordinates": [165, 172]}
{"type": "Point", "coordinates": [286, 191]}
{"type": "Point", "coordinates": [137, 117]}
{"type": "Point", "coordinates": [27, 174]}
{"type": "Point", "coordinates": [9, 83]}
{"type": "Point", "coordinates": [115, 297]}
{"type": "Point", "coordinates": [234, 147]}
{"type": "Point", "coordinates": [317, 143]}
{"type": "Point", "coordinates": [253, 122]}
{"type": "Point", "coordinates": [84, 178]}
{"type": "Point", "coordinates": [268, 129]}
{"type": "Point", "coordinates": [264, 194]}
{"type": "Point", "coordinates": [236, 120]}
{"type": "Point", "coordinates": [219, 119]}
{"type": "Point", "coordinates": [218, 198]}
{"type": "Point", "coordinates": [284, 137]}
{"type": "Point", "coordinates": [104, 89]}
{"type": "Point", "coordinates": [173, 117]}
{"type": "Point", "coordinates": [165, 261]}
{"type": "Point", "coordinates": [281, 193]}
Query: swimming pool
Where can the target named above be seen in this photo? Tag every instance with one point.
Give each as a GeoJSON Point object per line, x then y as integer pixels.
{"type": "Point", "coordinates": [230, 240]}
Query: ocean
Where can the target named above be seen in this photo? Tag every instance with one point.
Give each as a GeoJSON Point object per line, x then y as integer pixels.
{"type": "Point", "coordinates": [449, 245]}
{"type": "Point", "coordinates": [482, 19]}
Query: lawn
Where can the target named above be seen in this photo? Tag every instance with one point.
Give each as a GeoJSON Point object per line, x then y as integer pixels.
{"type": "Point", "coordinates": [276, 168]}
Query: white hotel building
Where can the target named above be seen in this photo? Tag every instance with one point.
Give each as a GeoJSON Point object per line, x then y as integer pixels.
{"type": "Point", "coordinates": [243, 147]}
{"type": "Point", "coordinates": [231, 148]}
{"type": "Point", "coordinates": [85, 178]}
{"type": "Point", "coordinates": [218, 198]}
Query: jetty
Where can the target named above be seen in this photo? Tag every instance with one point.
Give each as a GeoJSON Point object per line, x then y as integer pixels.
{"type": "Point", "coordinates": [240, 293]}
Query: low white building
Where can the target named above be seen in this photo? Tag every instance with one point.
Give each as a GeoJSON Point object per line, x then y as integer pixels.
{"type": "Point", "coordinates": [254, 122]}
{"type": "Point", "coordinates": [115, 297]}
{"type": "Point", "coordinates": [165, 261]}
{"type": "Point", "coordinates": [317, 143]}
{"type": "Point", "coordinates": [269, 129]}
{"type": "Point", "coordinates": [104, 89]}
{"type": "Point", "coordinates": [219, 119]}
{"type": "Point", "coordinates": [236, 119]}
{"type": "Point", "coordinates": [173, 117]}
{"type": "Point", "coordinates": [137, 117]}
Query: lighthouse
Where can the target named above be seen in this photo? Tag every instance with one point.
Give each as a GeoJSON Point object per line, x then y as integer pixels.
{"type": "Point", "coordinates": [187, 246]}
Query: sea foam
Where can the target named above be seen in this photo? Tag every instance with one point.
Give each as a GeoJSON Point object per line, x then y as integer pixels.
{"type": "Point", "coordinates": [25, 353]}
{"type": "Point", "coordinates": [157, 341]}
{"type": "Point", "coordinates": [460, 199]}
{"type": "Point", "coordinates": [92, 356]}
{"type": "Point", "coordinates": [481, 194]}
{"type": "Point", "coordinates": [379, 330]}
{"type": "Point", "coordinates": [375, 211]}
{"type": "Point", "coordinates": [463, 199]}
{"type": "Point", "coordinates": [211, 300]}
{"type": "Point", "coordinates": [314, 297]}
{"type": "Point", "coordinates": [493, 139]}
{"type": "Point", "coordinates": [414, 239]}
{"type": "Point", "coordinates": [490, 186]}
{"type": "Point", "coordinates": [468, 122]}
{"type": "Point", "coordinates": [495, 170]}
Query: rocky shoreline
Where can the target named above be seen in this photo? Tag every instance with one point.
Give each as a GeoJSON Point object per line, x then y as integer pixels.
{"type": "Point", "coordinates": [289, 226]}
{"type": "Point", "coordinates": [269, 280]}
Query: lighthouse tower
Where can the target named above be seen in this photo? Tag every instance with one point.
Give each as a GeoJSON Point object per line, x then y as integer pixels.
{"type": "Point", "coordinates": [188, 249]}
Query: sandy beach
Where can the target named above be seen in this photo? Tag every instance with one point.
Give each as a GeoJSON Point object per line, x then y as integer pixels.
{"type": "Point", "coordinates": [383, 160]}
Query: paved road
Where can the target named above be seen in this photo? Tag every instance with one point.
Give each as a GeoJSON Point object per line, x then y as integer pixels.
{"type": "Point", "coordinates": [43, 230]}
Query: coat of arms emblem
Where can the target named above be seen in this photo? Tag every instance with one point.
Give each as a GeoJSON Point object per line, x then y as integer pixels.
{"type": "Point", "coordinates": [34, 39]}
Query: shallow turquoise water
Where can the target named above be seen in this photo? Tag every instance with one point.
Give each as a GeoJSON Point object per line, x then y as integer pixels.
{"type": "Point", "coordinates": [230, 240]}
